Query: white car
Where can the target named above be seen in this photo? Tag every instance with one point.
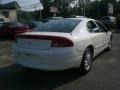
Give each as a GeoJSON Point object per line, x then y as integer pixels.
{"type": "Point", "coordinates": [62, 44]}
{"type": "Point", "coordinates": [108, 20]}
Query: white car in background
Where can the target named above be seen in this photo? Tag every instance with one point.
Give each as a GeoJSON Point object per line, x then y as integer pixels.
{"type": "Point", "coordinates": [108, 20]}
{"type": "Point", "coordinates": [62, 44]}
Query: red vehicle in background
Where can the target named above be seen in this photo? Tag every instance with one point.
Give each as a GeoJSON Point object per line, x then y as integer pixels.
{"type": "Point", "coordinates": [11, 29]}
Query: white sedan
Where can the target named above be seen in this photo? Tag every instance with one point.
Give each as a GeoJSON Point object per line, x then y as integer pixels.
{"type": "Point", "coordinates": [62, 44]}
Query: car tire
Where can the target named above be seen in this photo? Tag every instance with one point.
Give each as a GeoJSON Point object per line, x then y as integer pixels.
{"type": "Point", "coordinates": [109, 45]}
{"type": "Point", "coordinates": [86, 61]}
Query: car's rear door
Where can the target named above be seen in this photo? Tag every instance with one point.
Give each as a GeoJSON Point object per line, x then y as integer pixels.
{"type": "Point", "coordinates": [98, 38]}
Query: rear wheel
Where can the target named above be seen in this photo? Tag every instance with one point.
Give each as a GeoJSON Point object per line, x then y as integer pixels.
{"type": "Point", "coordinates": [86, 61]}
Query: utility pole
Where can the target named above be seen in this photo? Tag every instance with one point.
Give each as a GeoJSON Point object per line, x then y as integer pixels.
{"type": "Point", "coordinates": [40, 11]}
{"type": "Point", "coordinates": [84, 10]}
{"type": "Point", "coordinates": [84, 7]}
{"type": "Point", "coordinates": [0, 1]}
{"type": "Point", "coordinates": [98, 9]}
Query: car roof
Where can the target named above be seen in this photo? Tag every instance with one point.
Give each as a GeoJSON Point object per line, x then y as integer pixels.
{"type": "Point", "coordinates": [54, 18]}
{"type": "Point", "coordinates": [82, 19]}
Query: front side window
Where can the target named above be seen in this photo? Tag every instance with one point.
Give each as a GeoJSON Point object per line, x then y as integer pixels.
{"type": "Point", "coordinates": [101, 27]}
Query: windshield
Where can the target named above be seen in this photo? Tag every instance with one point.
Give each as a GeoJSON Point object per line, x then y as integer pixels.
{"type": "Point", "coordinates": [66, 25]}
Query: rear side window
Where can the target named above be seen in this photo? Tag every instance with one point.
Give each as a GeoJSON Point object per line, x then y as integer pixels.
{"type": "Point", "coordinates": [91, 26]}
{"type": "Point", "coordinates": [66, 25]}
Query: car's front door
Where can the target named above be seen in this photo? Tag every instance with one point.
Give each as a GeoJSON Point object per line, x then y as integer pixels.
{"type": "Point", "coordinates": [105, 34]}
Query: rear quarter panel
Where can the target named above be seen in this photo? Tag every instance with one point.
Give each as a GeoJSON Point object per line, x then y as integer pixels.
{"type": "Point", "coordinates": [81, 39]}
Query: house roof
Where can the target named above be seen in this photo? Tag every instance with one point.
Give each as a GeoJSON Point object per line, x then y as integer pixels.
{"type": "Point", "coordinates": [11, 5]}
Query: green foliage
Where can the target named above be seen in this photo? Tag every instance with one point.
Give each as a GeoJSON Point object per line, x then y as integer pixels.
{"type": "Point", "coordinates": [118, 20]}
{"type": "Point", "coordinates": [62, 5]}
{"type": "Point", "coordinates": [24, 16]}
{"type": "Point", "coordinates": [65, 9]}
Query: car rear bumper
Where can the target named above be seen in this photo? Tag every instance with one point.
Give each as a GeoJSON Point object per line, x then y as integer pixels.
{"type": "Point", "coordinates": [46, 60]}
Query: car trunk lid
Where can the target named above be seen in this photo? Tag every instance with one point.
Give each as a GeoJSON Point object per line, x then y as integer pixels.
{"type": "Point", "coordinates": [43, 40]}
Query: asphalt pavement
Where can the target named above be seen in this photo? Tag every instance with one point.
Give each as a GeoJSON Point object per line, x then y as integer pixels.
{"type": "Point", "coordinates": [104, 75]}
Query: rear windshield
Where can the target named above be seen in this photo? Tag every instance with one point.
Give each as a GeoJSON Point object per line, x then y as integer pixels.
{"type": "Point", "coordinates": [66, 25]}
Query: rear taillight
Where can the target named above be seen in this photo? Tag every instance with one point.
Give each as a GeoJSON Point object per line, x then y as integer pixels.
{"type": "Point", "coordinates": [56, 40]}
{"type": "Point", "coordinates": [61, 42]}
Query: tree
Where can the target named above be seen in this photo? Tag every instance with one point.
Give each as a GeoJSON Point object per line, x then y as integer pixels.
{"type": "Point", "coordinates": [104, 6]}
{"type": "Point", "coordinates": [62, 5]}
{"type": "Point", "coordinates": [46, 5]}
{"type": "Point", "coordinates": [67, 8]}
{"type": "Point", "coordinates": [24, 16]}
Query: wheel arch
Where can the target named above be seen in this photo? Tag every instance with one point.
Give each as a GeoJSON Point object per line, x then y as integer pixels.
{"type": "Point", "coordinates": [91, 48]}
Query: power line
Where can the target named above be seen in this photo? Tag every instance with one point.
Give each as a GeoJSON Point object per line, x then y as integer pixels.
{"type": "Point", "coordinates": [31, 6]}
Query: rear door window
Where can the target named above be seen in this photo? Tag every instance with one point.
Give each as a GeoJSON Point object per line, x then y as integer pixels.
{"type": "Point", "coordinates": [92, 27]}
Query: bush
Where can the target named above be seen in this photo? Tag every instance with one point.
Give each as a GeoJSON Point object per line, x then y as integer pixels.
{"type": "Point", "coordinates": [118, 21]}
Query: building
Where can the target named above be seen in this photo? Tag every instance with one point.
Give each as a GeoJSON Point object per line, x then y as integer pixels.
{"type": "Point", "coordinates": [9, 11]}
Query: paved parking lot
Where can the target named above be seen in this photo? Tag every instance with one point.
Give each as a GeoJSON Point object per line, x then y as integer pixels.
{"type": "Point", "coordinates": [5, 53]}
{"type": "Point", "coordinates": [105, 73]}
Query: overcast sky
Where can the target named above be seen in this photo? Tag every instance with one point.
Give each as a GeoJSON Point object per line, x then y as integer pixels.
{"type": "Point", "coordinates": [23, 3]}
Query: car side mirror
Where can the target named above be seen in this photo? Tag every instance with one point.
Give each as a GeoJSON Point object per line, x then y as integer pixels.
{"type": "Point", "coordinates": [108, 27]}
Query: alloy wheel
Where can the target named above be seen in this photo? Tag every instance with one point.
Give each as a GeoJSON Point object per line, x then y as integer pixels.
{"type": "Point", "coordinates": [87, 61]}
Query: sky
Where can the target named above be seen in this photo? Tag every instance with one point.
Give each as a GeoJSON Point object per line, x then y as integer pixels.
{"type": "Point", "coordinates": [26, 4]}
